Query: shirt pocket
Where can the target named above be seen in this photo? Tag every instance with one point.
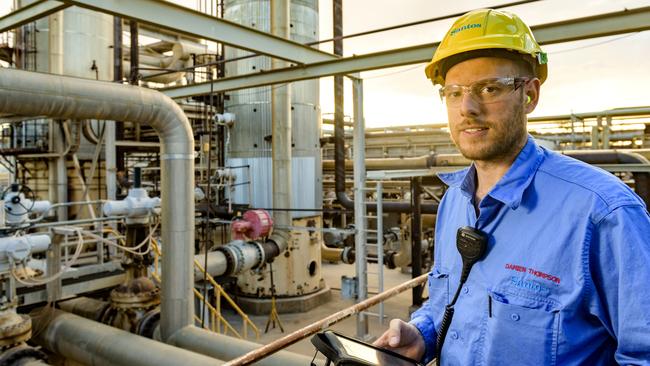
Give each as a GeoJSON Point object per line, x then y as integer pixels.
{"type": "Point", "coordinates": [438, 294]}
{"type": "Point", "coordinates": [520, 332]}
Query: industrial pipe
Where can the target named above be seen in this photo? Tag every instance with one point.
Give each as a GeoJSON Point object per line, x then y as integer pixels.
{"type": "Point", "coordinates": [239, 256]}
{"type": "Point", "coordinates": [421, 162]}
{"type": "Point", "coordinates": [226, 348]}
{"type": "Point", "coordinates": [333, 255]}
{"type": "Point", "coordinates": [93, 343]}
{"type": "Point", "coordinates": [35, 94]}
{"type": "Point", "coordinates": [281, 121]}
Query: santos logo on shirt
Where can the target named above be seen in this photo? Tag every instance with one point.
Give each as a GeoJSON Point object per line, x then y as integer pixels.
{"type": "Point", "coordinates": [532, 286]}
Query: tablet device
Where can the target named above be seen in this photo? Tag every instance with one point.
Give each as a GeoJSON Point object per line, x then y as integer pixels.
{"type": "Point", "coordinates": [346, 351]}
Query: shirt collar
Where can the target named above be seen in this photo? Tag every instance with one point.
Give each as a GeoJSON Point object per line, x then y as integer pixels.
{"type": "Point", "coordinates": [510, 188]}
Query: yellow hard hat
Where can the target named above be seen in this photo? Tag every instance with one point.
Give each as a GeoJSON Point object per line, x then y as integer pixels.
{"type": "Point", "coordinates": [487, 29]}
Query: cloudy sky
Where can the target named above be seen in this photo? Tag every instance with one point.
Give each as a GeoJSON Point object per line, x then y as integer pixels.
{"type": "Point", "coordinates": [584, 76]}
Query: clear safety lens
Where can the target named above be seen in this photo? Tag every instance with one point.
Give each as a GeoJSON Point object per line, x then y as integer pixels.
{"type": "Point", "coordinates": [483, 91]}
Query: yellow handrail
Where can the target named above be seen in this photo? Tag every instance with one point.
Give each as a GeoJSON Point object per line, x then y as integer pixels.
{"type": "Point", "coordinates": [215, 312]}
{"type": "Point", "coordinates": [221, 292]}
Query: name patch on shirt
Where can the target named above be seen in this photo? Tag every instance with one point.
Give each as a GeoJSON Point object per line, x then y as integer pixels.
{"type": "Point", "coordinates": [539, 274]}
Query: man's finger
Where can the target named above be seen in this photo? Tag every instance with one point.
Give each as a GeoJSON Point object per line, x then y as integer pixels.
{"type": "Point", "coordinates": [394, 332]}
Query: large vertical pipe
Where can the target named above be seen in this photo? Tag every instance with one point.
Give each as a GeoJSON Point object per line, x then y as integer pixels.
{"type": "Point", "coordinates": [56, 67]}
{"type": "Point", "coordinates": [281, 120]}
{"type": "Point", "coordinates": [360, 222]}
{"type": "Point", "coordinates": [110, 153]}
{"type": "Point", "coordinates": [606, 132]}
{"type": "Point", "coordinates": [416, 238]}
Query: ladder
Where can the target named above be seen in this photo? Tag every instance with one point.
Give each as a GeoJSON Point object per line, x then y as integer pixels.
{"type": "Point", "coordinates": [363, 258]}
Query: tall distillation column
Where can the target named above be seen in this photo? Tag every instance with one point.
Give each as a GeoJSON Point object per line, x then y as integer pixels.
{"type": "Point", "coordinates": [296, 272]}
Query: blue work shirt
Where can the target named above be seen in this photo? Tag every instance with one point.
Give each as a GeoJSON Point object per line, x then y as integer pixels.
{"type": "Point", "coordinates": [566, 277]}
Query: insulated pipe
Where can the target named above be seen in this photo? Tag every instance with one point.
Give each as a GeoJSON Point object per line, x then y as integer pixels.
{"type": "Point", "coordinates": [86, 307]}
{"type": "Point", "coordinates": [35, 94]}
{"type": "Point", "coordinates": [239, 256]}
{"type": "Point", "coordinates": [93, 343]}
{"type": "Point", "coordinates": [217, 265]}
{"type": "Point", "coordinates": [227, 348]}
{"type": "Point", "coordinates": [281, 121]}
{"type": "Point", "coordinates": [421, 162]}
{"type": "Point", "coordinates": [333, 255]}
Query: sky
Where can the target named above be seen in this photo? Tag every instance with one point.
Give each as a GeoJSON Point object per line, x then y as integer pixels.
{"type": "Point", "coordinates": [584, 76]}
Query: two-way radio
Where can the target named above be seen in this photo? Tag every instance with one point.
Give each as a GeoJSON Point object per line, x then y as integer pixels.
{"type": "Point", "coordinates": [471, 244]}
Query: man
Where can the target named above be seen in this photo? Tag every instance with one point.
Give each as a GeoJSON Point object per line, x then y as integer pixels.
{"type": "Point", "coordinates": [566, 276]}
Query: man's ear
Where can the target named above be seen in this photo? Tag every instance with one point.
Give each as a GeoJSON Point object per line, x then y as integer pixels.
{"type": "Point", "coordinates": [532, 95]}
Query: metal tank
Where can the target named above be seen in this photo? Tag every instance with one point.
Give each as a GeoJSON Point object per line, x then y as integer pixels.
{"type": "Point", "coordinates": [250, 137]}
{"type": "Point", "coordinates": [296, 273]}
{"type": "Point", "coordinates": [75, 42]}
{"type": "Point", "coordinates": [87, 40]}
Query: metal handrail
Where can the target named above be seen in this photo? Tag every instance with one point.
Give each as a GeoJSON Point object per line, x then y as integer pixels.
{"type": "Point", "coordinates": [215, 311]}
{"type": "Point", "coordinates": [221, 292]}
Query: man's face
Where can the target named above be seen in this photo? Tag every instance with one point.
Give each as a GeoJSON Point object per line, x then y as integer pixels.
{"type": "Point", "coordinates": [494, 131]}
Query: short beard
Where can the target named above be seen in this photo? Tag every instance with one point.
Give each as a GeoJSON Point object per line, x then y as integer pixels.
{"type": "Point", "coordinates": [507, 143]}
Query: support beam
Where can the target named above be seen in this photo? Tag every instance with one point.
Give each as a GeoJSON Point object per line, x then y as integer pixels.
{"type": "Point", "coordinates": [596, 26]}
{"type": "Point", "coordinates": [180, 19]}
{"type": "Point", "coordinates": [30, 13]}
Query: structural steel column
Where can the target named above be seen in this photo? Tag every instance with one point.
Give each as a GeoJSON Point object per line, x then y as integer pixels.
{"type": "Point", "coordinates": [416, 238]}
{"type": "Point", "coordinates": [360, 222]}
{"type": "Point", "coordinates": [281, 119]}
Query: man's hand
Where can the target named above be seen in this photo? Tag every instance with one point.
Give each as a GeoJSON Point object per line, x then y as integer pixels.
{"type": "Point", "coordinates": [403, 338]}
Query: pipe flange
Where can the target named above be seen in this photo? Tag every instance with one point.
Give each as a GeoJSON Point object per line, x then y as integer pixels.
{"type": "Point", "coordinates": [390, 259]}
{"type": "Point", "coordinates": [230, 260]}
{"type": "Point", "coordinates": [142, 300]}
{"type": "Point", "coordinates": [348, 255]}
{"type": "Point", "coordinates": [18, 355]}
{"type": "Point", "coordinates": [14, 329]}
{"type": "Point", "coordinates": [146, 327]}
{"type": "Point", "coordinates": [239, 257]}
{"type": "Point", "coordinates": [137, 293]}
{"type": "Point", "coordinates": [261, 260]}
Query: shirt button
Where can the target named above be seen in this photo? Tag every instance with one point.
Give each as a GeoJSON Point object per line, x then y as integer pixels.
{"type": "Point", "coordinates": [454, 334]}
{"type": "Point", "coordinates": [514, 316]}
{"type": "Point", "coordinates": [465, 290]}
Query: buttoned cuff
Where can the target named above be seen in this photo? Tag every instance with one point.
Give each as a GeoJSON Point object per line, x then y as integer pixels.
{"type": "Point", "coordinates": [428, 331]}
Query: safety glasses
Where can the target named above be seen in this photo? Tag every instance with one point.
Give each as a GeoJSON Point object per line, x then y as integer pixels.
{"type": "Point", "coordinates": [483, 91]}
